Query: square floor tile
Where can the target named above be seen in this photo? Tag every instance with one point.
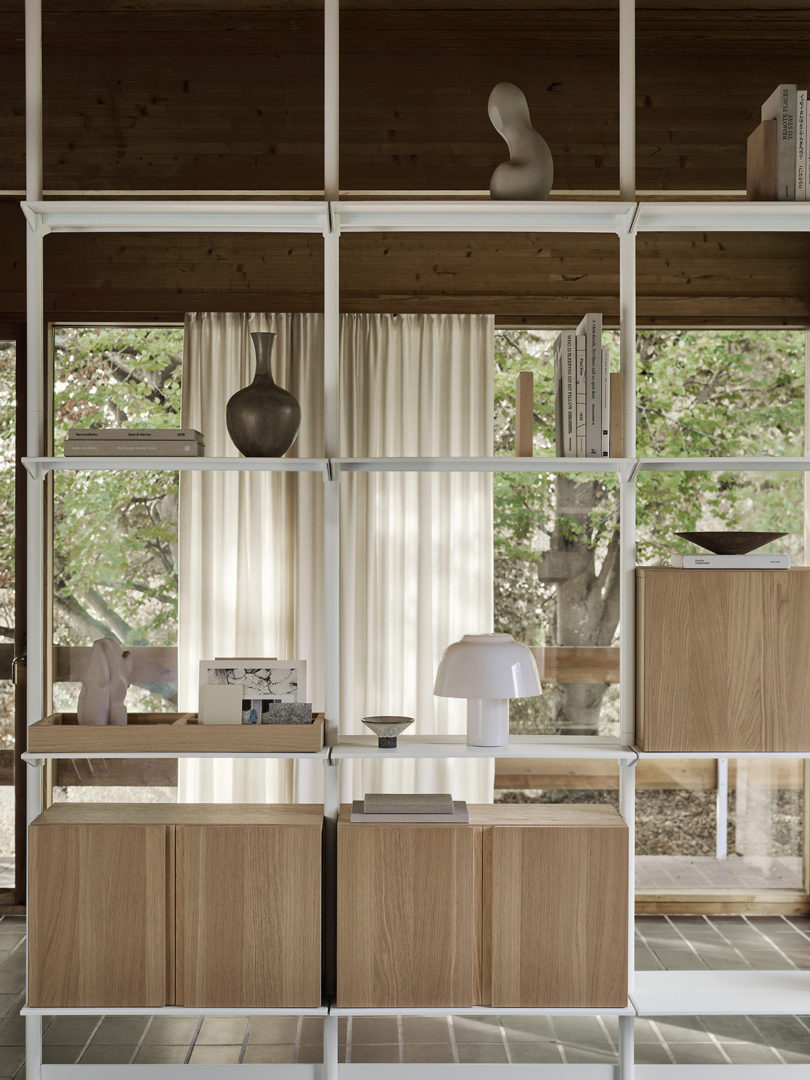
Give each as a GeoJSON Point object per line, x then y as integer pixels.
{"type": "Point", "coordinates": [374, 1052]}
{"type": "Point", "coordinates": [427, 1052]}
{"type": "Point", "coordinates": [273, 1029]}
{"type": "Point", "coordinates": [220, 1054]}
{"type": "Point", "coordinates": [269, 1053]}
{"type": "Point", "coordinates": [222, 1031]}
{"type": "Point", "coordinates": [161, 1055]}
{"type": "Point", "coordinates": [374, 1029]}
{"type": "Point", "coordinates": [171, 1031]}
{"type": "Point", "coordinates": [539, 1052]}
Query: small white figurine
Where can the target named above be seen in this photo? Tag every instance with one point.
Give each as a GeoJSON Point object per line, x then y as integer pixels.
{"type": "Point", "coordinates": [105, 683]}
{"type": "Point", "coordinates": [529, 172]}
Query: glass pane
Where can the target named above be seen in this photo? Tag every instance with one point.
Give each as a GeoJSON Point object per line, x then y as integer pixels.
{"type": "Point", "coordinates": [115, 534]}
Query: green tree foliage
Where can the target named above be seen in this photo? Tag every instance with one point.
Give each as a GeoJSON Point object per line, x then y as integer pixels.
{"type": "Point", "coordinates": [708, 393]}
{"type": "Point", "coordinates": [115, 534]}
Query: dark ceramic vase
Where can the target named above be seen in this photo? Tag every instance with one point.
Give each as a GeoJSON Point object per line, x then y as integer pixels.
{"type": "Point", "coordinates": [263, 419]}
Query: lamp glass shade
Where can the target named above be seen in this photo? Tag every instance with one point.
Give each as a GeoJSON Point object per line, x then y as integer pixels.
{"type": "Point", "coordinates": [487, 666]}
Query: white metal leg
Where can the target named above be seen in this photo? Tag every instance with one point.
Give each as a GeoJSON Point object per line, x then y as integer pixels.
{"type": "Point", "coordinates": [330, 1047]}
{"type": "Point", "coordinates": [721, 840]}
{"type": "Point", "coordinates": [626, 1048]}
{"type": "Point", "coordinates": [33, 1047]}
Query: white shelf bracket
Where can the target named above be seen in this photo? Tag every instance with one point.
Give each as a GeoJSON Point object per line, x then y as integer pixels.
{"type": "Point", "coordinates": [35, 221]}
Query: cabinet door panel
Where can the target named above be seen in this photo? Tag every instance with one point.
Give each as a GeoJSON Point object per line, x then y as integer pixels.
{"type": "Point", "coordinates": [786, 661]}
{"type": "Point", "coordinates": [248, 916]}
{"type": "Point", "coordinates": [101, 916]}
{"type": "Point", "coordinates": [555, 916]}
{"type": "Point", "coordinates": [408, 915]}
{"type": "Point", "coordinates": [701, 659]}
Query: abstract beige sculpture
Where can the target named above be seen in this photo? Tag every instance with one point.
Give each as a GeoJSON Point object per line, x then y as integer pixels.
{"type": "Point", "coordinates": [530, 170]}
{"type": "Point", "coordinates": [105, 684]}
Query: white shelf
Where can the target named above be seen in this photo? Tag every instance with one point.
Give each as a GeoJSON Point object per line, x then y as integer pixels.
{"type": "Point", "coordinates": [96, 215]}
{"type": "Point", "coordinates": [483, 464]}
{"type": "Point", "coordinates": [480, 1010]}
{"type": "Point", "coordinates": [722, 993]}
{"type": "Point", "coordinates": [742, 216]}
{"type": "Point", "coordinates": [713, 755]}
{"type": "Point", "coordinates": [170, 1010]}
{"type": "Point", "coordinates": [37, 759]}
{"type": "Point", "coordinates": [724, 464]}
{"type": "Point", "coordinates": [38, 467]}
{"type": "Point", "coordinates": [455, 746]}
{"type": "Point", "coordinates": [483, 216]}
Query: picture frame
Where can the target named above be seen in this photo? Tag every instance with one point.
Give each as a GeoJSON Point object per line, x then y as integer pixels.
{"type": "Point", "coordinates": [278, 680]}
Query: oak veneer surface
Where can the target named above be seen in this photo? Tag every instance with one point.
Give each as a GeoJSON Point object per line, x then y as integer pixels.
{"type": "Point", "coordinates": [408, 910]}
{"type": "Point", "coordinates": [723, 660]}
{"type": "Point", "coordinates": [249, 916]}
{"type": "Point", "coordinates": [101, 915]}
{"type": "Point", "coordinates": [555, 914]}
{"type": "Point", "coordinates": [180, 814]}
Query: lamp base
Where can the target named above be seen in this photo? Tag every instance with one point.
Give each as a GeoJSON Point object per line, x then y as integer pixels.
{"type": "Point", "coordinates": [487, 721]}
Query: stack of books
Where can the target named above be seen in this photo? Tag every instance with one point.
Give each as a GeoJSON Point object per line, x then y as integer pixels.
{"type": "Point", "coordinates": [754, 561]}
{"type": "Point", "coordinates": [133, 442]}
{"type": "Point", "coordinates": [419, 809]}
{"type": "Point", "coordinates": [777, 150]}
{"type": "Point", "coordinates": [582, 391]}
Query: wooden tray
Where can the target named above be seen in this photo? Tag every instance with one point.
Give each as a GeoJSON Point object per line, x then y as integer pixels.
{"type": "Point", "coordinates": [166, 733]}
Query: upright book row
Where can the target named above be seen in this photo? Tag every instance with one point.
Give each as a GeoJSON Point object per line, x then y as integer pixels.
{"type": "Point", "coordinates": [777, 150]}
{"type": "Point", "coordinates": [582, 391]}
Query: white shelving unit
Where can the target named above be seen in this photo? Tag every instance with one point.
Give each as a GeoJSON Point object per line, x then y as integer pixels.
{"type": "Point", "coordinates": [650, 993]}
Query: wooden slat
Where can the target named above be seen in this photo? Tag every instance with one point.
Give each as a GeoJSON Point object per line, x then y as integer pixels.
{"type": "Point", "coordinates": [676, 774]}
{"type": "Point", "coordinates": [524, 414]}
{"type": "Point", "coordinates": [150, 665]}
{"type": "Point", "coordinates": [116, 772]}
{"type": "Point", "coordinates": [575, 664]}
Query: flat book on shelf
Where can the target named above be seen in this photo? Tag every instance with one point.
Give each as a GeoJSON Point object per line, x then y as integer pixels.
{"type": "Point", "coordinates": [460, 816]}
{"type": "Point", "coordinates": [731, 562]}
{"type": "Point", "coordinates": [379, 803]}
{"type": "Point", "coordinates": [134, 448]}
{"type": "Point", "coordinates": [94, 434]}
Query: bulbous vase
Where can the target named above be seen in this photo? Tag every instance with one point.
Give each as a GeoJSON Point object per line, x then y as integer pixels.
{"type": "Point", "coordinates": [263, 418]}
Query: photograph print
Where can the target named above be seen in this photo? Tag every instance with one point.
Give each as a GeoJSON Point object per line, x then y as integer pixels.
{"type": "Point", "coordinates": [279, 680]}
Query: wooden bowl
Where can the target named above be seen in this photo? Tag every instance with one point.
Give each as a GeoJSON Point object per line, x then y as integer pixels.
{"type": "Point", "coordinates": [731, 543]}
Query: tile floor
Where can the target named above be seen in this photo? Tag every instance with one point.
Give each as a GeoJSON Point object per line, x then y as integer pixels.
{"type": "Point", "coordinates": [684, 943]}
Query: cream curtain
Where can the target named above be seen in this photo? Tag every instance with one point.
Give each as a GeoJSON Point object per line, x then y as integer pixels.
{"type": "Point", "coordinates": [416, 549]}
{"type": "Point", "coordinates": [251, 556]}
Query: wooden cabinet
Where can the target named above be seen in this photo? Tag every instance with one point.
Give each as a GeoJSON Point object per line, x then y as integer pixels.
{"type": "Point", "coordinates": [409, 915]}
{"type": "Point", "coordinates": [524, 906]}
{"type": "Point", "coordinates": [555, 906]}
{"type": "Point", "coordinates": [249, 912]}
{"type": "Point", "coordinates": [104, 927]}
{"type": "Point", "coordinates": [723, 660]}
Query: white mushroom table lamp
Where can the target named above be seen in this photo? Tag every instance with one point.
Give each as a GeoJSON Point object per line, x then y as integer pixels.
{"type": "Point", "coordinates": [487, 669]}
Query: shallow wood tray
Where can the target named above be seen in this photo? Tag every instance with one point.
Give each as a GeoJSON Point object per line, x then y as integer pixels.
{"type": "Point", "coordinates": [165, 733]}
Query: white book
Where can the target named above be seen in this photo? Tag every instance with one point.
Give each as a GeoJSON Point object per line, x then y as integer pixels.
{"type": "Point", "coordinates": [155, 448]}
{"type": "Point", "coordinates": [581, 393]}
{"type": "Point", "coordinates": [591, 329]}
{"type": "Point", "coordinates": [605, 416]}
{"type": "Point", "coordinates": [754, 561]}
{"type": "Point", "coordinates": [801, 146]}
{"type": "Point", "coordinates": [781, 106]}
{"type": "Point", "coordinates": [559, 418]}
{"type": "Point", "coordinates": [95, 434]}
{"type": "Point", "coordinates": [569, 373]}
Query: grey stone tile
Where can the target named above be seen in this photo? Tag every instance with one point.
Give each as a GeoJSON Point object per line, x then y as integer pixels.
{"type": "Point", "coordinates": [524, 1028]}
{"type": "Point", "coordinates": [646, 960]}
{"type": "Point", "coordinates": [476, 1029]}
{"type": "Point", "coordinates": [746, 1053]}
{"type": "Point", "coordinates": [69, 1030]}
{"type": "Point", "coordinates": [269, 1053]}
{"type": "Point", "coordinates": [794, 1057]}
{"type": "Point", "coordinates": [11, 1058]}
{"type": "Point", "coordinates": [222, 1031]}
{"type": "Point", "coordinates": [683, 1029]}
{"type": "Point", "coordinates": [273, 1029]}
{"type": "Point", "coordinates": [12, 1031]}
{"type": "Point", "coordinates": [425, 1029]}
{"type": "Point", "coordinates": [108, 1054]}
{"type": "Point", "coordinates": [539, 1052]}
{"type": "Point", "coordinates": [732, 1029]}
{"type": "Point", "coordinates": [171, 1031]}
{"type": "Point", "coordinates": [161, 1055]}
{"type": "Point", "coordinates": [645, 1032]}
{"type": "Point", "coordinates": [375, 1029]}
{"type": "Point", "coordinates": [584, 1031]}
{"type": "Point", "coordinates": [10, 1003]}
{"type": "Point", "coordinates": [371, 1053]}
{"type": "Point", "coordinates": [57, 1054]}
{"type": "Point", "coordinates": [692, 1053]}
{"type": "Point", "coordinates": [312, 1053]}
{"type": "Point", "coordinates": [312, 1029]}
{"type": "Point", "coordinates": [126, 1030]}
{"type": "Point", "coordinates": [485, 1053]}
{"type": "Point", "coordinates": [784, 1033]}
{"type": "Point", "coordinates": [580, 1055]}
{"type": "Point", "coordinates": [649, 1053]}
{"type": "Point", "coordinates": [427, 1052]}
{"type": "Point", "coordinates": [219, 1054]}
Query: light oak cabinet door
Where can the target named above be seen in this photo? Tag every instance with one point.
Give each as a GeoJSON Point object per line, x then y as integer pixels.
{"type": "Point", "coordinates": [248, 915]}
{"type": "Point", "coordinates": [101, 920]}
{"type": "Point", "coordinates": [555, 912]}
{"type": "Point", "coordinates": [408, 910]}
{"type": "Point", "coordinates": [723, 660]}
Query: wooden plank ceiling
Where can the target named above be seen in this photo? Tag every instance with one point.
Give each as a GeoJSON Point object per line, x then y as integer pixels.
{"type": "Point", "coordinates": [193, 95]}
